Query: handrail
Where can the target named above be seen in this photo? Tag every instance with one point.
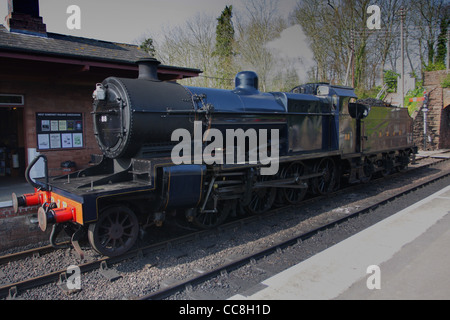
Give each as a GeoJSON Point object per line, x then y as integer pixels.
{"type": "Point", "coordinates": [27, 173]}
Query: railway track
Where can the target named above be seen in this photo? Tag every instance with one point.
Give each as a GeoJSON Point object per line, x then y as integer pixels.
{"type": "Point", "coordinates": [235, 263]}
{"type": "Point", "coordinates": [11, 290]}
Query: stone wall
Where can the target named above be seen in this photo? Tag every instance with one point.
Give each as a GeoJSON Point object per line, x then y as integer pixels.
{"type": "Point", "coordinates": [438, 130]}
{"type": "Point", "coordinates": [434, 78]}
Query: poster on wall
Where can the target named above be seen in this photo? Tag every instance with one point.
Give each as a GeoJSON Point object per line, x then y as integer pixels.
{"type": "Point", "coordinates": [55, 141]}
{"type": "Point", "coordinates": [77, 140]}
{"type": "Point", "coordinates": [43, 142]}
{"type": "Point", "coordinates": [59, 131]}
{"type": "Point", "coordinates": [66, 140]}
{"type": "Point", "coordinates": [54, 125]}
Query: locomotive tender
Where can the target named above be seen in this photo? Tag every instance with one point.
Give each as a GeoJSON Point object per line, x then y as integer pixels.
{"type": "Point", "coordinates": [323, 136]}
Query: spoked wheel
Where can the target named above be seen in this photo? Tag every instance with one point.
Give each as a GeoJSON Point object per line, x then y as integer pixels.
{"type": "Point", "coordinates": [262, 198]}
{"type": "Point", "coordinates": [210, 218]}
{"type": "Point", "coordinates": [328, 179]}
{"type": "Point", "coordinates": [115, 232]}
{"type": "Point", "coordinates": [295, 195]}
{"type": "Point", "coordinates": [404, 159]}
{"type": "Point", "coordinates": [367, 170]}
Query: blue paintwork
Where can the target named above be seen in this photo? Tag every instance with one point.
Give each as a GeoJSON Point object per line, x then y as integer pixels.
{"type": "Point", "coordinates": [182, 186]}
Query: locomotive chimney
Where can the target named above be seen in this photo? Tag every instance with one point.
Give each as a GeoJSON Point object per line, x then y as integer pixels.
{"type": "Point", "coordinates": [148, 69]}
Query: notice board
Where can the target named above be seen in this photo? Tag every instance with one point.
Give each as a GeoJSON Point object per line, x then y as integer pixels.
{"type": "Point", "coordinates": [59, 131]}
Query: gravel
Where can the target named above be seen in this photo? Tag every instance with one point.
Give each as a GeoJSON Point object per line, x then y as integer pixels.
{"type": "Point", "coordinates": [141, 276]}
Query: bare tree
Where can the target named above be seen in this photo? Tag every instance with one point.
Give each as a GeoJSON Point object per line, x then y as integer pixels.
{"type": "Point", "coordinates": [334, 29]}
{"type": "Point", "coordinates": [426, 16]}
{"type": "Point", "coordinates": [389, 33]}
{"type": "Point", "coordinates": [191, 45]}
{"type": "Point", "coordinates": [256, 28]}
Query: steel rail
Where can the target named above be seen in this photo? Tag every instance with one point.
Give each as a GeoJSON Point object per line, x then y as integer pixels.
{"type": "Point", "coordinates": [12, 289]}
{"type": "Point", "coordinates": [187, 284]}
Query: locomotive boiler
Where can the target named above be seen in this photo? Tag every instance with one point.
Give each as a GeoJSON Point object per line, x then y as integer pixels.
{"type": "Point", "coordinates": [203, 154]}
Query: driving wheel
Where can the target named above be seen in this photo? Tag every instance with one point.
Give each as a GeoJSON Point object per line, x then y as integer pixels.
{"type": "Point", "coordinates": [115, 232]}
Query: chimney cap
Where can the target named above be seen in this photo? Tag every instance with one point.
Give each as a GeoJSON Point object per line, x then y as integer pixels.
{"type": "Point", "coordinates": [148, 60]}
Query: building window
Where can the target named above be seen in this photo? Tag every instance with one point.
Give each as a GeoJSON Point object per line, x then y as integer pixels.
{"type": "Point", "coordinates": [11, 100]}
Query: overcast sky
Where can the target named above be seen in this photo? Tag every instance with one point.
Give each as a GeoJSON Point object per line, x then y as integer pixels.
{"type": "Point", "coordinates": [127, 21]}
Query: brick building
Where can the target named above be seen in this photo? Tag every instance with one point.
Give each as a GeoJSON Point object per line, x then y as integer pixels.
{"type": "Point", "coordinates": [46, 85]}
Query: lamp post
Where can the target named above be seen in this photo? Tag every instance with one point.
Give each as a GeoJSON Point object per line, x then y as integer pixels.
{"type": "Point", "coordinates": [402, 45]}
{"type": "Point", "coordinates": [425, 111]}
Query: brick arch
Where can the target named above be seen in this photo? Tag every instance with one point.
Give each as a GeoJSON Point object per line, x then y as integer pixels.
{"type": "Point", "coordinates": [445, 128]}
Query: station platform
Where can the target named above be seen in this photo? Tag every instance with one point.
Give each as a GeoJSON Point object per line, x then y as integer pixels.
{"type": "Point", "coordinates": [8, 185]}
{"type": "Point", "coordinates": [405, 256]}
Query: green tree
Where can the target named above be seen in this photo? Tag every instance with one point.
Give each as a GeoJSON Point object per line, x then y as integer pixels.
{"type": "Point", "coordinates": [390, 78]}
{"type": "Point", "coordinates": [442, 43]}
{"type": "Point", "coordinates": [148, 46]}
{"type": "Point", "coordinates": [224, 48]}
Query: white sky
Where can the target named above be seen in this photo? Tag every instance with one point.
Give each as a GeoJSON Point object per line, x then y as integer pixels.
{"type": "Point", "coordinates": [127, 21]}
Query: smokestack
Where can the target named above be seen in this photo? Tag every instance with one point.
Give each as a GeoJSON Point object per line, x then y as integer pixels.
{"type": "Point", "coordinates": [23, 17]}
{"type": "Point", "coordinates": [148, 69]}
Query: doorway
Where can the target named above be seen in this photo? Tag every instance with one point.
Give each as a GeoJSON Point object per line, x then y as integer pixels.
{"type": "Point", "coordinates": [12, 143]}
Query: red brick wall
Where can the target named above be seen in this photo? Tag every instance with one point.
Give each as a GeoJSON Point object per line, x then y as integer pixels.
{"type": "Point", "coordinates": [20, 231]}
{"type": "Point", "coordinates": [438, 122]}
{"type": "Point", "coordinates": [434, 78]}
{"type": "Point", "coordinates": [8, 212]}
{"type": "Point", "coordinates": [17, 229]}
{"type": "Point", "coordinates": [52, 97]}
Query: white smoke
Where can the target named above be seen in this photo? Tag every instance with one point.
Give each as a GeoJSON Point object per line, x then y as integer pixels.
{"type": "Point", "coordinates": [293, 45]}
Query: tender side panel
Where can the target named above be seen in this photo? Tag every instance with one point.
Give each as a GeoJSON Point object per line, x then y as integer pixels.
{"type": "Point", "coordinates": [386, 128]}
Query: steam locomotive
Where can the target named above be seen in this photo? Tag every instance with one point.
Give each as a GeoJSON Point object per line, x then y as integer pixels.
{"type": "Point", "coordinates": [164, 153]}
